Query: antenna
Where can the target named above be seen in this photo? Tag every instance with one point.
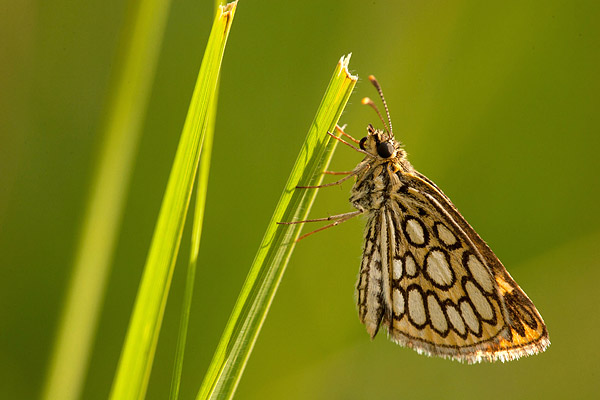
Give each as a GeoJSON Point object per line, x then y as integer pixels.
{"type": "Point", "coordinates": [378, 87]}
{"type": "Point", "coordinates": [368, 102]}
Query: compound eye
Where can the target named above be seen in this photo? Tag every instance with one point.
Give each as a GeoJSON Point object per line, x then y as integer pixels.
{"type": "Point", "coordinates": [362, 143]}
{"type": "Point", "coordinates": [385, 149]}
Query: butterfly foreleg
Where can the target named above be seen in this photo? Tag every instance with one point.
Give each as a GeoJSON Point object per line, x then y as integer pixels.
{"type": "Point", "coordinates": [340, 218]}
{"type": "Point", "coordinates": [341, 130]}
{"type": "Point", "coordinates": [337, 173]}
{"type": "Point", "coordinates": [348, 144]}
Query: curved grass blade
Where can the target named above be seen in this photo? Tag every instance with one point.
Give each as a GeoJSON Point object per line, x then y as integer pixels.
{"type": "Point", "coordinates": [135, 364]}
{"type": "Point", "coordinates": [121, 130]}
{"type": "Point", "coordinates": [265, 274]}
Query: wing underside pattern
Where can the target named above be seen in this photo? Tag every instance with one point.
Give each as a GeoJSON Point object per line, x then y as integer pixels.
{"type": "Point", "coordinates": [427, 280]}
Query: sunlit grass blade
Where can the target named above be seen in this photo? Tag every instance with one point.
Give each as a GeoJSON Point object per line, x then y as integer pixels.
{"type": "Point", "coordinates": [137, 355]}
{"type": "Point", "coordinates": [201, 189]}
{"type": "Point", "coordinates": [203, 173]}
{"type": "Point", "coordinates": [130, 91]}
{"type": "Point", "coordinates": [250, 310]}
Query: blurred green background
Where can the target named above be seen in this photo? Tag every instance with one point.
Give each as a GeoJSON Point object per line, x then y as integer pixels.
{"type": "Point", "coordinates": [497, 103]}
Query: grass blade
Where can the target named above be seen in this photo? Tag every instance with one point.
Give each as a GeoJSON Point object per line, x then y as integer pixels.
{"type": "Point", "coordinates": [203, 173]}
{"type": "Point", "coordinates": [121, 131]}
{"type": "Point", "coordinates": [135, 364]}
{"type": "Point", "coordinates": [252, 306]}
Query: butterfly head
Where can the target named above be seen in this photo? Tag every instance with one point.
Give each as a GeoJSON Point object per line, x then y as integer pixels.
{"type": "Point", "coordinates": [380, 143]}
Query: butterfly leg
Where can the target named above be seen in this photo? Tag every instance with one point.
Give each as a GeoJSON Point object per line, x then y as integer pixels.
{"type": "Point", "coordinates": [337, 173]}
{"type": "Point", "coordinates": [338, 182]}
{"type": "Point", "coordinates": [338, 220]}
{"type": "Point", "coordinates": [347, 144]}
{"type": "Point", "coordinates": [330, 218]}
{"type": "Point", "coordinates": [350, 174]}
{"type": "Point", "coordinates": [341, 130]}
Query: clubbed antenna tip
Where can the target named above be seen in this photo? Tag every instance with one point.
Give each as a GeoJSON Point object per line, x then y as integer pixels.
{"type": "Point", "coordinates": [368, 102]}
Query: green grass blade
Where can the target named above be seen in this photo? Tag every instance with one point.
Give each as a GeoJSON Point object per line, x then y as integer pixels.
{"type": "Point", "coordinates": [203, 173]}
{"type": "Point", "coordinates": [120, 130]}
{"type": "Point", "coordinates": [250, 310]}
{"type": "Point", "coordinates": [135, 364]}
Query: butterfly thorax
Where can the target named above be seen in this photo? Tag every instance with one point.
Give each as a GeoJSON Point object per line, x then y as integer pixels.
{"type": "Point", "coordinates": [382, 172]}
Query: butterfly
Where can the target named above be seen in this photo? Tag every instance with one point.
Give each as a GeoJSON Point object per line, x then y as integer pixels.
{"type": "Point", "coordinates": [426, 276]}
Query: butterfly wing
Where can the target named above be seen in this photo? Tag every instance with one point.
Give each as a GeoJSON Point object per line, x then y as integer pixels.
{"type": "Point", "coordinates": [428, 277]}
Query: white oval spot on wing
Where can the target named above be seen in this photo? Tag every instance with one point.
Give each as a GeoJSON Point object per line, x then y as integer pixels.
{"type": "Point", "coordinates": [481, 303]}
{"type": "Point", "coordinates": [410, 265]}
{"type": "Point", "coordinates": [436, 314]}
{"type": "Point", "coordinates": [416, 308]}
{"type": "Point", "coordinates": [438, 269]}
{"type": "Point", "coordinates": [415, 232]}
{"type": "Point", "coordinates": [398, 300]}
{"type": "Point", "coordinates": [480, 273]}
{"type": "Point", "coordinates": [398, 268]}
{"type": "Point", "coordinates": [455, 319]}
{"type": "Point", "coordinates": [445, 235]}
{"type": "Point", "coordinates": [469, 316]}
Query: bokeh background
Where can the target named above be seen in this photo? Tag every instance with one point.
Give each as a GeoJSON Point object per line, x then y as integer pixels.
{"type": "Point", "coordinates": [498, 103]}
